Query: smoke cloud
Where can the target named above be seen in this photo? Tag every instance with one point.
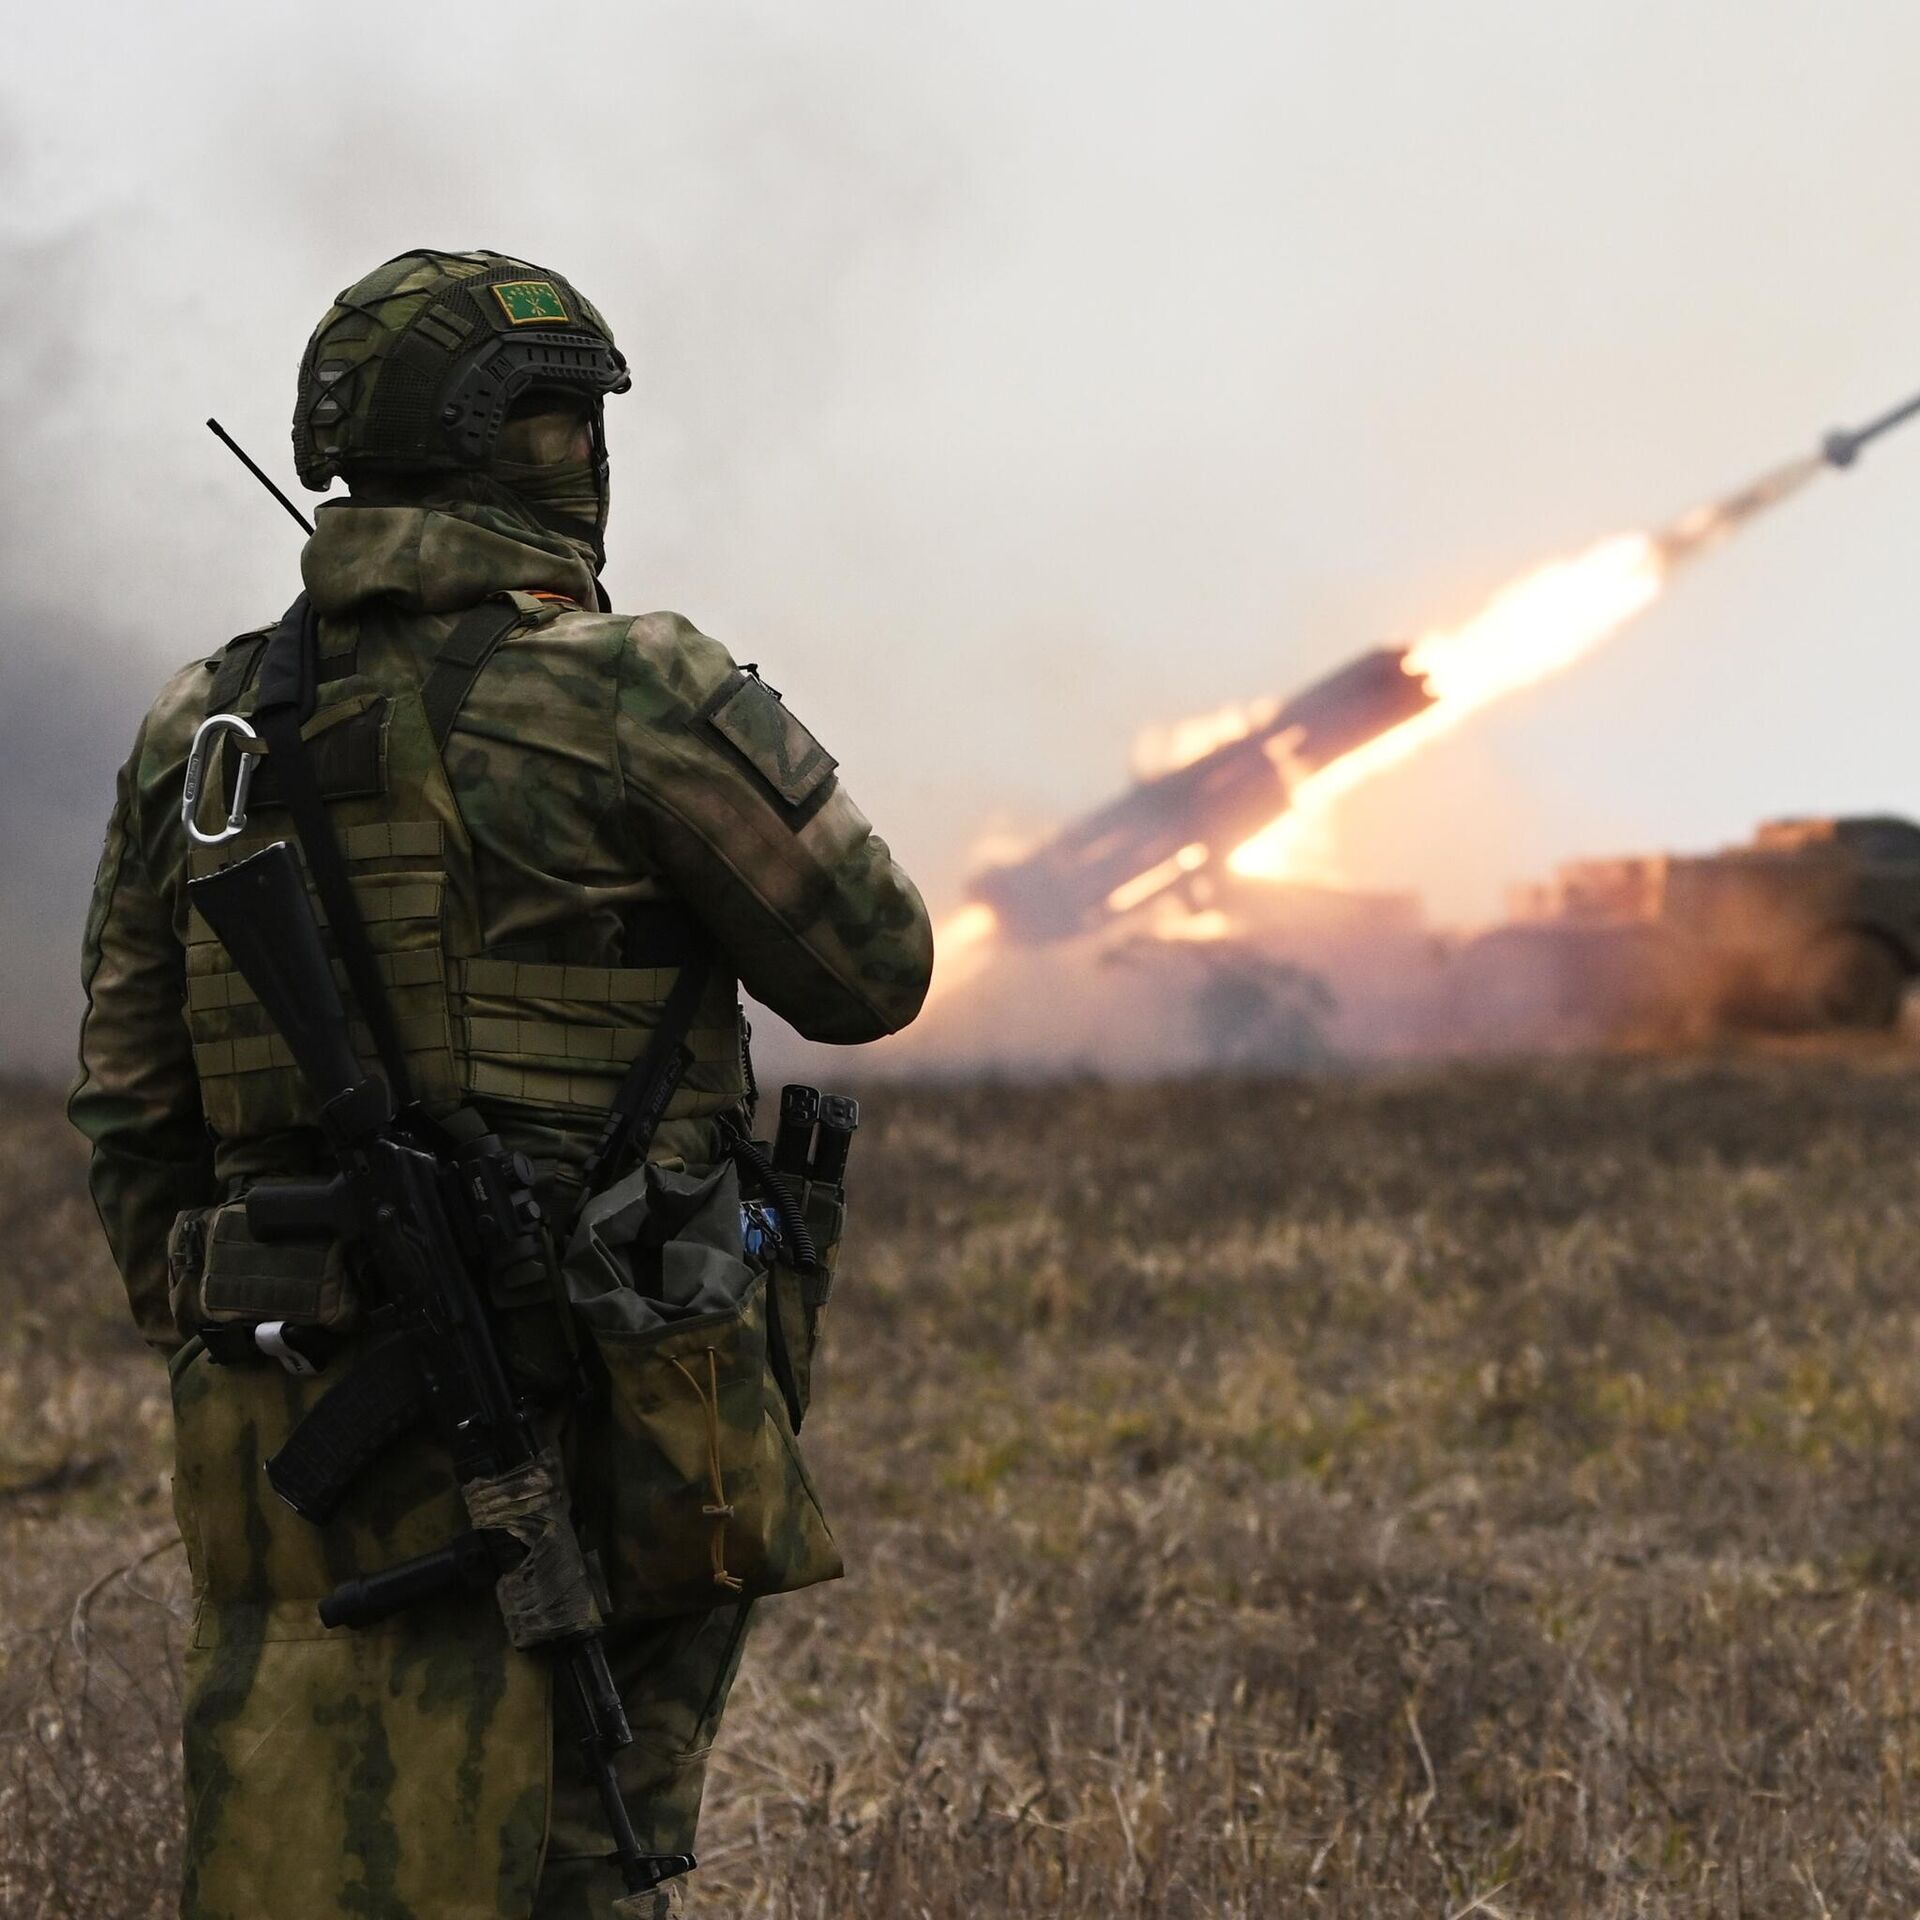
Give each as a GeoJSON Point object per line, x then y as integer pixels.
{"type": "Point", "coordinates": [1012, 379]}
{"type": "Point", "coordinates": [68, 704]}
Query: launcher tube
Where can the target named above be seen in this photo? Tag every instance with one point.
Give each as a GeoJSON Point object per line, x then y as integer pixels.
{"type": "Point", "coordinates": [1162, 831]}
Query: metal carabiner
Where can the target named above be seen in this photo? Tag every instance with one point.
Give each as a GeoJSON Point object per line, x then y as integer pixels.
{"type": "Point", "coordinates": [249, 749]}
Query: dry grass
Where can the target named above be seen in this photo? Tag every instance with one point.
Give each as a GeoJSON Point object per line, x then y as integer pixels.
{"type": "Point", "coordinates": [1326, 1497]}
{"type": "Point", "coordinates": [89, 1572]}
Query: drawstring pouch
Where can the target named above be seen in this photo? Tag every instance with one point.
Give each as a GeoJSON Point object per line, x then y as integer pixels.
{"type": "Point", "coordinates": [687, 1472]}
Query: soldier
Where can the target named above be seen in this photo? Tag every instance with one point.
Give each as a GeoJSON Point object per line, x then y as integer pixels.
{"type": "Point", "coordinates": [547, 811]}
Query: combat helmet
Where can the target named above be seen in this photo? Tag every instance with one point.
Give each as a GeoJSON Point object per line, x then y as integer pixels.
{"type": "Point", "coordinates": [413, 369]}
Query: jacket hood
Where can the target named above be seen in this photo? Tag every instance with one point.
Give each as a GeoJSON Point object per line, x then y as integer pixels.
{"type": "Point", "coordinates": [438, 556]}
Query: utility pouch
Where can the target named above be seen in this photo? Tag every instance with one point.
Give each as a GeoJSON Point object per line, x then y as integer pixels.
{"type": "Point", "coordinates": [186, 1263]}
{"type": "Point", "coordinates": [687, 1468]}
{"type": "Point", "coordinates": [220, 1275]}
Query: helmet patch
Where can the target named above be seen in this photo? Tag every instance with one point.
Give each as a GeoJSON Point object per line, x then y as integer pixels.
{"type": "Point", "coordinates": [529, 301]}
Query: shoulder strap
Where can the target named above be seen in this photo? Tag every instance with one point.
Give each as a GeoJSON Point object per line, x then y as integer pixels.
{"type": "Point", "coordinates": [457, 665]}
{"type": "Point", "coordinates": [287, 679]}
{"type": "Point", "coordinates": [234, 674]}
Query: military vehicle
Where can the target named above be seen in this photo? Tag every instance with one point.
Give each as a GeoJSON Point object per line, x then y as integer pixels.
{"type": "Point", "coordinates": [1173, 831]}
{"type": "Point", "coordinates": [1812, 924]}
{"type": "Point", "coordinates": [1171, 834]}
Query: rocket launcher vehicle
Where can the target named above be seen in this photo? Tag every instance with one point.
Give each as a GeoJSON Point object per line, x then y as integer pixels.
{"type": "Point", "coordinates": [1162, 829]}
{"type": "Point", "coordinates": [1165, 830]}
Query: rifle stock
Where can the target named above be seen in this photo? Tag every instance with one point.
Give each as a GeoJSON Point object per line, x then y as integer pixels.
{"type": "Point", "coordinates": [259, 909]}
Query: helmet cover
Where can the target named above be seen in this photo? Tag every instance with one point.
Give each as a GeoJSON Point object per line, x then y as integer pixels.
{"type": "Point", "coordinates": [414, 368]}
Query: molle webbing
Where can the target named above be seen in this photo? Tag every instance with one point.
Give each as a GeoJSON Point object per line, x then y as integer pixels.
{"type": "Point", "coordinates": [548, 1035]}
{"type": "Point", "coordinates": [565, 1036]}
{"type": "Point", "coordinates": [288, 677]}
{"type": "Point", "coordinates": [512, 1026]}
{"type": "Point", "coordinates": [287, 686]}
{"type": "Point", "coordinates": [414, 840]}
{"type": "Point", "coordinates": [647, 1087]}
{"type": "Point", "coordinates": [234, 674]}
{"type": "Point", "coordinates": [398, 873]}
{"type": "Point", "coordinates": [227, 990]}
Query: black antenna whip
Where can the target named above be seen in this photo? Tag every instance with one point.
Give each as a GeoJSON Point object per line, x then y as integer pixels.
{"type": "Point", "coordinates": [240, 453]}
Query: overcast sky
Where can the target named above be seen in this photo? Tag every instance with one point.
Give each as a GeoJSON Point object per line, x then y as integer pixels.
{"type": "Point", "coordinates": [1010, 377]}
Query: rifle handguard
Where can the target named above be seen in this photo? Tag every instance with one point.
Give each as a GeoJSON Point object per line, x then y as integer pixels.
{"type": "Point", "coordinates": [548, 1596]}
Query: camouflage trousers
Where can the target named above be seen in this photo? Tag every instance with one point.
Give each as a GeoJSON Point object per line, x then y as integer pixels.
{"type": "Point", "coordinates": [674, 1676]}
{"type": "Point", "coordinates": [363, 1840]}
{"type": "Point", "coordinates": [417, 1770]}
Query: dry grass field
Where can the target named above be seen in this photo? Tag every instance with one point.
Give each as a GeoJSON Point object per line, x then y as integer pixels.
{"type": "Point", "coordinates": [1474, 1491]}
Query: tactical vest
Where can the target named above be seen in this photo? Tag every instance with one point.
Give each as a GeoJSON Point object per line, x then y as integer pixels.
{"type": "Point", "coordinates": [541, 1042]}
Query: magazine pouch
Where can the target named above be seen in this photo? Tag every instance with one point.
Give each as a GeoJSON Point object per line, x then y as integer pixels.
{"type": "Point", "coordinates": [220, 1275]}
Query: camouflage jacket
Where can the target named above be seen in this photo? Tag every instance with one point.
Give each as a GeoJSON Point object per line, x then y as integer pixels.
{"type": "Point", "coordinates": [589, 788]}
{"type": "Point", "coordinates": [601, 771]}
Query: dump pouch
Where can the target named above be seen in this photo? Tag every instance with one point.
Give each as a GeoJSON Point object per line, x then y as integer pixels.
{"type": "Point", "coordinates": [220, 1275]}
{"type": "Point", "coordinates": [687, 1470]}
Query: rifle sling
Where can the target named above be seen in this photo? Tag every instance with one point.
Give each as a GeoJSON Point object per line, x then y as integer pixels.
{"type": "Point", "coordinates": [640, 1102]}
{"type": "Point", "coordinates": [287, 682]}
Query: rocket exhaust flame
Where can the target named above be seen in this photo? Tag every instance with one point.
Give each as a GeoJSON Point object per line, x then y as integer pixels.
{"type": "Point", "coordinates": [1253, 791]}
{"type": "Point", "coordinates": [1529, 631]}
{"type": "Point", "coordinates": [1537, 627]}
{"type": "Point", "coordinates": [961, 944]}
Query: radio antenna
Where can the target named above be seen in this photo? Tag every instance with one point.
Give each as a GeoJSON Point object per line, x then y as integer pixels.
{"type": "Point", "coordinates": [240, 453]}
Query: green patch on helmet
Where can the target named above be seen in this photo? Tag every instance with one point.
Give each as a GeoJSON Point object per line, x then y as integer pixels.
{"type": "Point", "coordinates": [528, 301]}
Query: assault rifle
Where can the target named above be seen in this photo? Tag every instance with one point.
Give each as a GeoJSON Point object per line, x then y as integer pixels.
{"type": "Point", "coordinates": [444, 1225]}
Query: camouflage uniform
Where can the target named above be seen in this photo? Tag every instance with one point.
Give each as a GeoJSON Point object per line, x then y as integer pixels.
{"type": "Point", "coordinates": [585, 788]}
